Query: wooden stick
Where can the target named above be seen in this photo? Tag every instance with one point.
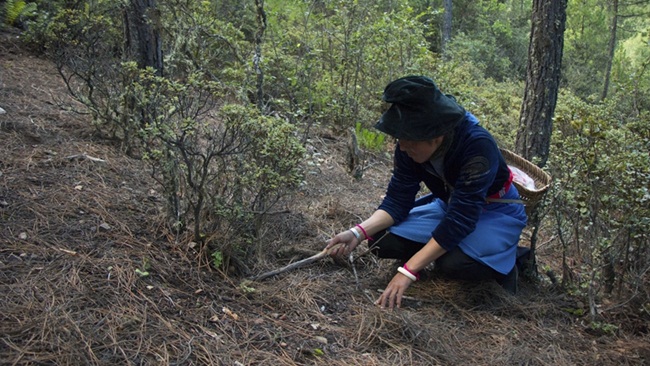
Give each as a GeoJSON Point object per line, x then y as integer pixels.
{"type": "Point", "coordinates": [85, 156]}
{"type": "Point", "coordinates": [301, 263]}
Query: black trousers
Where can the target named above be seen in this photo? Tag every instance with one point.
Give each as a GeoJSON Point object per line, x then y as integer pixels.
{"type": "Point", "coordinates": [453, 264]}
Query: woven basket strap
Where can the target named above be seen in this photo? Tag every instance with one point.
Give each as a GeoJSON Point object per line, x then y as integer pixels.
{"type": "Point", "coordinates": [504, 200]}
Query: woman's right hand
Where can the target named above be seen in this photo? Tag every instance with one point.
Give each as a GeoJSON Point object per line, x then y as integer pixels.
{"type": "Point", "coordinates": [348, 241]}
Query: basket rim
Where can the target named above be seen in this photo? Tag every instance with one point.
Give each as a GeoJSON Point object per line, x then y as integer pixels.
{"type": "Point", "coordinates": [541, 178]}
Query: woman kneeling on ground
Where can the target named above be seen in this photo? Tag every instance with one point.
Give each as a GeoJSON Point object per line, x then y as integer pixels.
{"type": "Point", "coordinates": [468, 225]}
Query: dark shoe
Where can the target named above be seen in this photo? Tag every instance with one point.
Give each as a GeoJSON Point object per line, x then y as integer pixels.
{"type": "Point", "coordinates": [523, 258]}
{"type": "Point", "coordinates": [510, 281]}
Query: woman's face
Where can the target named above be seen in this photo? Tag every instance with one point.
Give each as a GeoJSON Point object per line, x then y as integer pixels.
{"type": "Point", "coordinates": [420, 151]}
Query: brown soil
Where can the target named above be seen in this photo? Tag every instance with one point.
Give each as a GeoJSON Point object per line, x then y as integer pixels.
{"type": "Point", "coordinates": [74, 230]}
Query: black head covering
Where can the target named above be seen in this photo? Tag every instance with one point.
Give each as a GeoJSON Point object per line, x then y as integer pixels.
{"type": "Point", "coordinates": [419, 110]}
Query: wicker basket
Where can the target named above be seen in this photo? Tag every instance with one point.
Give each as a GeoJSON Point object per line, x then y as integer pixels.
{"type": "Point", "coordinates": [542, 180]}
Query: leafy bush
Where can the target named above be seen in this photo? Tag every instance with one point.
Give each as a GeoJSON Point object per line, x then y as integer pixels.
{"type": "Point", "coordinates": [221, 164]}
{"type": "Point", "coordinates": [85, 44]}
{"type": "Point", "coordinates": [600, 165]}
{"type": "Point", "coordinates": [372, 140]}
{"type": "Point", "coordinates": [493, 36]}
{"type": "Point", "coordinates": [17, 11]}
{"type": "Point", "coordinates": [330, 62]}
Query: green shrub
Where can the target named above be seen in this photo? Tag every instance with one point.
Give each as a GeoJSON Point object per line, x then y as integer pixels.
{"type": "Point", "coordinates": [600, 166]}
{"type": "Point", "coordinates": [372, 140]}
{"type": "Point", "coordinates": [221, 167]}
{"type": "Point", "coordinates": [221, 164]}
{"type": "Point", "coordinates": [330, 63]}
{"type": "Point", "coordinates": [16, 11]}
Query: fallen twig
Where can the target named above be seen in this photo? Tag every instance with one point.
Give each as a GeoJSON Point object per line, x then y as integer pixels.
{"type": "Point", "coordinates": [85, 156]}
{"type": "Point", "coordinates": [354, 270]}
{"type": "Point", "coordinates": [316, 257]}
{"type": "Point", "coordinates": [67, 251]}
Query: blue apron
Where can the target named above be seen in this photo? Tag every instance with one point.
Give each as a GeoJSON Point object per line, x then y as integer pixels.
{"type": "Point", "coordinates": [493, 242]}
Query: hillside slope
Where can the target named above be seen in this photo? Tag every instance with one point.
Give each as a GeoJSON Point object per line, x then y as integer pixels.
{"type": "Point", "coordinates": [79, 219]}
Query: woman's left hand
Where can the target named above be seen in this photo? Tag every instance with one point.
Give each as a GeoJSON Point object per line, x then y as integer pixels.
{"type": "Point", "coordinates": [393, 293]}
{"type": "Point", "coordinates": [346, 238]}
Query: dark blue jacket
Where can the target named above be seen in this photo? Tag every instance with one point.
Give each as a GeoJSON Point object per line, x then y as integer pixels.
{"type": "Point", "coordinates": [473, 169]}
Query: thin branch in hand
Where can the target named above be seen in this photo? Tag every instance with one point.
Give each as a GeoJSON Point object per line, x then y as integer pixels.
{"type": "Point", "coordinates": [301, 263]}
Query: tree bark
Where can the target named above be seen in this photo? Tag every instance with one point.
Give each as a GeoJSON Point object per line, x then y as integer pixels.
{"type": "Point", "coordinates": [542, 80]}
{"type": "Point", "coordinates": [142, 34]}
{"type": "Point", "coordinates": [257, 59]}
{"type": "Point", "coordinates": [446, 24]}
{"type": "Point", "coordinates": [611, 49]}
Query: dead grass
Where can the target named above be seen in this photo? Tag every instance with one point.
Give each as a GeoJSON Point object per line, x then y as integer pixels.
{"type": "Point", "coordinates": [73, 232]}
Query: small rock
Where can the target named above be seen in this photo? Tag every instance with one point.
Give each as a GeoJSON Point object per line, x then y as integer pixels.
{"type": "Point", "coordinates": [22, 236]}
{"type": "Point", "coordinates": [105, 227]}
{"type": "Point", "coordinates": [4, 203]}
{"type": "Point", "coordinates": [2, 111]}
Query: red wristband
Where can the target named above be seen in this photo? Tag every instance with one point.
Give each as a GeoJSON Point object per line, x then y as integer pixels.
{"type": "Point", "coordinates": [364, 232]}
{"type": "Point", "coordinates": [417, 275]}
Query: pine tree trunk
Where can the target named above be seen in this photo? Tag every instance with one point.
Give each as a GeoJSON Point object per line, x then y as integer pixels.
{"type": "Point", "coordinates": [446, 24]}
{"type": "Point", "coordinates": [257, 59]}
{"type": "Point", "coordinates": [611, 49]}
{"type": "Point", "coordinates": [542, 80]}
{"type": "Point", "coordinates": [142, 34]}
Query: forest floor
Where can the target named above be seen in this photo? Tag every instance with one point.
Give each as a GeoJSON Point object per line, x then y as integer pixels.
{"type": "Point", "coordinates": [75, 231]}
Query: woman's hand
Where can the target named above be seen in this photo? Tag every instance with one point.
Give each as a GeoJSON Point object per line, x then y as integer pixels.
{"type": "Point", "coordinates": [348, 240]}
{"type": "Point", "coordinates": [393, 293]}
{"type": "Point", "coordinates": [377, 222]}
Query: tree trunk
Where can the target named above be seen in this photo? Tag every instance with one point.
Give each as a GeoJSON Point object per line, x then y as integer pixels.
{"type": "Point", "coordinates": [446, 24]}
{"type": "Point", "coordinates": [142, 34]}
{"type": "Point", "coordinates": [542, 80]}
{"type": "Point", "coordinates": [257, 59]}
{"type": "Point", "coordinates": [611, 48]}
